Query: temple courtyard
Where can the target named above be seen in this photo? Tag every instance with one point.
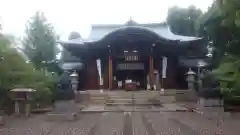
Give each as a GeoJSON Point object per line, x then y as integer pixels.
{"type": "Point", "coordinates": [125, 123]}
{"type": "Point", "coordinates": [127, 113]}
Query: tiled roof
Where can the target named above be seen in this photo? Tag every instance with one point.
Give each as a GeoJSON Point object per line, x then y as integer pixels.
{"type": "Point", "coordinates": [162, 29]}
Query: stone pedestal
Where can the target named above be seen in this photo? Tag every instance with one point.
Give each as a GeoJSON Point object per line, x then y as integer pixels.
{"type": "Point", "coordinates": [17, 108]}
{"type": "Point", "coordinates": [27, 109]}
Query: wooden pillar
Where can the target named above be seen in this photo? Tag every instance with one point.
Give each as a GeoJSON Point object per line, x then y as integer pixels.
{"type": "Point", "coordinates": [151, 70]}
{"type": "Point", "coordinates": [110, 72]}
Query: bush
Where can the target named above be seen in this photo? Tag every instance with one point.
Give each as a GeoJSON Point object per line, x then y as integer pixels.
{"type": "Point", "coordinates": [15, 72]}
{"type": "Point", "coordinates": [210, 81]}
{"type": "Point", "coordinates": [44, 86]}
{"type": "Point", "coordinates": [5, 101]}
{"type": "Point", "coordinates": [228, 74]}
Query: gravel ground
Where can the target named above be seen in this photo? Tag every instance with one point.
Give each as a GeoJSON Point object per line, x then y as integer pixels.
{"type": "Point", "coordinates": [111, 123]}
{"type": "Point", "coordinates": [124, 123]}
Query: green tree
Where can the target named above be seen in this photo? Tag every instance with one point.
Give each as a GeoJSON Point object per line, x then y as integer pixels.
{"type": "Point", "coordinates": [182, 20]}
{"type": "Point", "coordinates": [40, 43]}
{"type": "Point", "coordinates": [16, 72]}
{"type": "Point", "coordinates": [220, 25]}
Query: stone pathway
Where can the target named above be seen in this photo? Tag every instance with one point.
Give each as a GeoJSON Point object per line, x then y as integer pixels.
{"type": "Point", "coordinates": [112, 121]}
{"type": "Point", "coordinates": [138, 128]}
{"type": "Point", "coordinates": [164, 126]}
{"type": "Point", "coordinates": [124, 123]}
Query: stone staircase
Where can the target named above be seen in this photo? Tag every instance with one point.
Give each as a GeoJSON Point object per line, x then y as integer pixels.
{"type": "Point", "coordinates": [133, 98]}
{"type": "Point", "coordinates": [92, 97]}
{"type": "Point", "coordinates": [98, 98]}
{"type": "Point", "coordinates": [121, 97]}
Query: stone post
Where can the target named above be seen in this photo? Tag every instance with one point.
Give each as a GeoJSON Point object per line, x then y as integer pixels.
{"type": "Point", "coordinates": [27, 108]}
{"type": "Point", "coordinates": [16, 108]}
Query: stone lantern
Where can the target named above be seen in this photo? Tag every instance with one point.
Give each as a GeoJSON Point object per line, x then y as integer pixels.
{"type": "Point", "coordinates": [74, 81]}
{"type": "Point", "coordinates": [200, 65]}
{"type": "Point", "coordinates": [190, 79]}
{"type": "Point", "coordinates": [22, 96]}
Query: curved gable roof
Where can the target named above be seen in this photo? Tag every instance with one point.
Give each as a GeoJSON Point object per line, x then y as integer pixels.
{"type": "Point", "coordinates": [162, 29]}
{"type": "Point", "coordinates": [128, 30]}
{"type": "Point", "coordinates": [156, 31]}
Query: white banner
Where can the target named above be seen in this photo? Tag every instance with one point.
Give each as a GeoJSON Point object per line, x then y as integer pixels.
{"type": "Point", "coordinates": [164, 67]}
{"type": "Point", "coordinates": [99, 71]}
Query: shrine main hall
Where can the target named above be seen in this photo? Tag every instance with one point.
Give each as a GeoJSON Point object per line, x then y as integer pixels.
{"type": "Point", "coordinates": [145, 54]}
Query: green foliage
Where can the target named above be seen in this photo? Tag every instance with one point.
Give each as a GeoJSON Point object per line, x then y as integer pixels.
{"type": "Point", "coordinates": [15, 72]}
{"type": "Point", "coordinates": [40, 43]}
{"type": "Point", "coordinates": [220, 26]}
{"type": "Point", "coordinates": [182, 20]}
{"type": "Point", "coordinates": [18, 71]}
{"type": "Point", "coordinates": [229, 75]}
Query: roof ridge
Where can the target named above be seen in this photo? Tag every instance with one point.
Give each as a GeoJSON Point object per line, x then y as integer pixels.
{"type": "Point", "coordinates": [121, 25]}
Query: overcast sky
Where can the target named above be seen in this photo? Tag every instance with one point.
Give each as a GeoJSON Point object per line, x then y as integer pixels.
{"type": "Point", "coordinates": [78, 15]}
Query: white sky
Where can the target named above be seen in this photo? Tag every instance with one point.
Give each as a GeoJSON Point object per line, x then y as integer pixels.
{"type": "Point", "coordinates": [78, 15]}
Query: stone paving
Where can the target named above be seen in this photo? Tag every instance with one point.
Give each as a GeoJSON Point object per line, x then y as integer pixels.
{"type": "Point", "coordinates": [112, 121]}
{"type": "Point", "coordinates": [124, 123]}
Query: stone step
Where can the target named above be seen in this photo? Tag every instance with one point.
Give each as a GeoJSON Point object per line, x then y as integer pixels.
{"type": "Point", "coordinates": [59, 117]}
{"type": "Point", "coordinates": [120, 97]}
{"type": "Point", "coordinates": [130, 104]}
{"type": "Point", "coordinates": [140, 96]}
{"type": "Point", "coordinates": [98, 99]}
{"type": "Point", "coordinates": [135, 101]}
{"type": "Point", "coordinates": [97, 102]}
